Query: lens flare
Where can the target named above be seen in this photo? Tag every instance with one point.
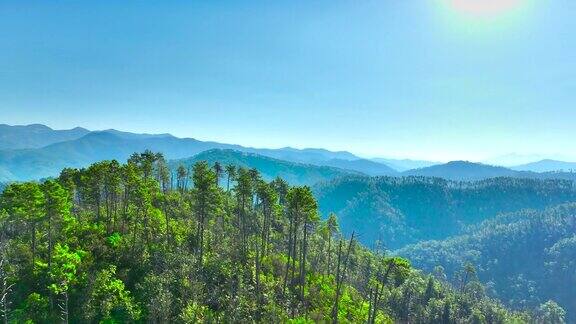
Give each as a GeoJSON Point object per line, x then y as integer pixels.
{"type": "Point", "coordinates": [485, 8]}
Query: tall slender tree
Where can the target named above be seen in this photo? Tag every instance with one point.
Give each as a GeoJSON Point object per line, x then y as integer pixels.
{"type": "Point", "coordinates": [206, 200]}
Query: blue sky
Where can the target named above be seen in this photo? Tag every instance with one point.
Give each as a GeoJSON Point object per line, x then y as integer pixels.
{"type": "Point", "coordinates": [438, 79]}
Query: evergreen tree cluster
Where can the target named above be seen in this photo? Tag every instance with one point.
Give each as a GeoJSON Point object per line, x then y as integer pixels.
{"type": "Point", "coordinates": [526, 258]}
{"type": "Point", "coordinates": [408, 210]}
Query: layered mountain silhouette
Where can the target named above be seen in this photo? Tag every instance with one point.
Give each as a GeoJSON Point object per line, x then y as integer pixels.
{"type": "Point", "coordinates": [401, 165]}
{"type": "Point", "coordinates": [547, 166]}
{"type": "Point", "coordinates": [471, 171]}
{"type": "Point", "coordinates": [29, 162]}
{"type": "Point", "coordinates": [462, 170]}
{"type": "Point", "coordinates": [35, 136]}
{"type": "Point", "coordinates": [37, 151]}
{"type": "Point", "coordinates": [269, 168]}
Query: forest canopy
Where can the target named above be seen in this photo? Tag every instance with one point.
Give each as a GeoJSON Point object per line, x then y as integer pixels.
{"type": "Point", "coordinates": [132, 243]}
{"type": "Point", "coordinates": [526, 258]}
{"type": "Point", "coordinates": [408, 210]}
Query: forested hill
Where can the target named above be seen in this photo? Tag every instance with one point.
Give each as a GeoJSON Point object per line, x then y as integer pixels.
{"type": "Point", "coordinates": [119, 243]}
{"type": "Point", "coordinates": [470, 171]}
{"type": "Point", "coordinates": [462, 171]}
{"type": "Point", "coordinates": [547, 166]}
{"type": "Point", "coordinates": [525, 258]}
{"type": "Point", "coordinates": [269, 168]}
{"type": "Point", "coordinates": [400, 211]}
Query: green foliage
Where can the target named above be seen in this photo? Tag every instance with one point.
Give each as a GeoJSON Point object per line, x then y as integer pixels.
{"type": "Point", "coordinates": [552, 313]}
{"type": "Point", "coordinates": [526, 257]}
{"type": "Point", "coordinates": [402, 211]}
{"type": "Point", "coordinates": [64, 269]}
{"type": "Point", "coordinates": [109, 300]}
{"type": "Point", "coordinates": [123, 243]}
{"type": "Point", "coordinates": [114, 240]}
{"type": "Point", "coordinates": [33, 310]}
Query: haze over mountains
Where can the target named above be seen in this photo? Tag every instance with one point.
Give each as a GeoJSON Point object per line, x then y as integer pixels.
{"type": "Point", "coordinates": [37, 151]}
{"type": "Point", "coordinates": [79, 149]}
{"type": "Point", "coordinates": [35, 136]}
{"type": "Point", "coordinates": [269, 168]}
{"type": "Point", "coordinates": [547, 166]}
{"type": "Point", "coordinates": [471, 171]}
{"type": "Point", "coordinates": [437, 214]}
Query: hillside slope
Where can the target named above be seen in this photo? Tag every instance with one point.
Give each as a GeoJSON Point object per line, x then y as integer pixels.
{"type": "Point", "coordinates": [363, 166]}
{"type": "Point", "coordinates": [400, 211]}
{"type": "Point", "coordinates": [526, 258]}
{"type": "Point", "coordinates": [270, 168]}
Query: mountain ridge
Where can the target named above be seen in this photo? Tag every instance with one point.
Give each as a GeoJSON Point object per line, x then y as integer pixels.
{"type": "Point", "coordinates": [35, 136]}
{"type": "Point", "coordinates": [270, 168]}
{"type": "Point", "coordinates": [35, 163]}
{"type": "Point", "coordinates": [546, 165]}
{"type": "Point", "coordinates": [474, 171]}
{"type": "Point", "coordinates": [80, 147]}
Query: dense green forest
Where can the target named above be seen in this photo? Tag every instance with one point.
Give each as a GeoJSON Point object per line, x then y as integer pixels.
{"type": "Point", "coordinates": [132, 243]}
{"type": "Point", "coordinates": [400, 211]}
{"type": "Point", "coordinates": [525, 258]}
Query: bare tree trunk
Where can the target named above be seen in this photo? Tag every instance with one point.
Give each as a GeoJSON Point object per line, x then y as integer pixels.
{"type": "Point", "coordinates": [329, 253]}
{"type": "Point", "coordinates": [380, 291]}
{"type": "Point", "coordinates": [6, 289]}
{"type": "Point", "coordinates": [33, 243]}
{"type": "Point", "coordinates": [257, 260]}
{"type": "Point", "coordinates": [289, 255]}
{"type": "Point", "coordinates": [65, 308]}
{"type": "Point", "coordinates": [50, 297]}
{"type": "Point", "coordinates": [340, 277]}
{"type": "Point", "coordinates": [303, 262]}
{"type": "Point", "coordinates": [335, 308]}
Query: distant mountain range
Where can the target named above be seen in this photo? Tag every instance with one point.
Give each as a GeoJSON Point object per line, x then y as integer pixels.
{"type": "Point", "coordinates": [470, 171]}
{"type": "Point", "coordinates": [462, 170]}
{"type": "Point", "coordinates": [547, 166]}
{"type": "Point", "coordinates": [401, 165]}
{"type": "Point", "coordinates": [37, 151]}
{"type": "Point", "coordinates": [79, 148]}
{"type": "Point", "coordinates": [35, 136]}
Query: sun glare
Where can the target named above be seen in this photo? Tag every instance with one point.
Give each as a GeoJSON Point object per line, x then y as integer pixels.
{"type": "Point", "coordinates": [485, 16]}
{"type": "Point", "coordinates": [485, 8]}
